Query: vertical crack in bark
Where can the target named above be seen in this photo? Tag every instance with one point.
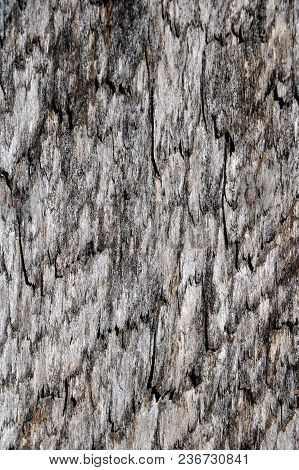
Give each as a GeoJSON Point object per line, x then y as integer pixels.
{"type": "Point", "coordinates": [5, 175]}
{"type": "Point", "coordinates": [152, 118]}
{"type": "Point", "coordinates": [237, 255]}
{"type": "Point", "coordinates": [66, 390]}
{"type": "Point", "coordinates": [70, 117]}
{"type": "Point", "coordinates": [151, 111]}
{"type": "Point", "coordinates": [229, 146]}
{"type": "Point", "coordinates": [223, 199]}
{"type": "Point", "coordinates": [150, 385]}
{"type": "Point", "coordinates": [202, 79]}
{"type": "Point", "coordinates": [3, 90]}
{"type": "Point", "coordinates": [27, 282]}
{"type": "Point", "coordinates": [151, 375]}
{"type": "Point", "coordinates": [206, 317]}
{"type": "Point", "coordinates": [249, 261]}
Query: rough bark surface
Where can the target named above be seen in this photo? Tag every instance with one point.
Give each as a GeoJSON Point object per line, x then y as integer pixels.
{"type": "Point", "coordinates": [148, 226]}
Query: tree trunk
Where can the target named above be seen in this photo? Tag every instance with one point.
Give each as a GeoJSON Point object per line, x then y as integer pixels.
{"type": "Point", "coordinates": [148, 224]}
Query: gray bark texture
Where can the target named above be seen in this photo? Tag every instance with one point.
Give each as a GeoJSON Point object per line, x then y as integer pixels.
{"type": "Point", "coordinates": [148, 226]}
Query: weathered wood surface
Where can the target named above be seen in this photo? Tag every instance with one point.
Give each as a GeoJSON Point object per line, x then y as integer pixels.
{"type": "Point", "coordinates": [149, 220]}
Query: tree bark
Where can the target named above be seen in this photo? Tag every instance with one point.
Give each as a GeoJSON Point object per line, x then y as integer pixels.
{"type": "Point", "coordinates": [149, 221]}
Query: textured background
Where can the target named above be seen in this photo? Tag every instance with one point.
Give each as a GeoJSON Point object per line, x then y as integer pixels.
{"type": "Point", "coordinates": [148, 224]}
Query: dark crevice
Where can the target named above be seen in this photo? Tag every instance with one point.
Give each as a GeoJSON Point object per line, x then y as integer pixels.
{"type": "Point", "coordinates": [45, 393]}
{"type": "Point", "coordinates": [8, 181]}
{"type": "Point", "coordinates": [133, 406]}
{"type": "Point", "coordinates": [150, 385]}
{"type": "Point", "coordinates": [279, 99]}
{"type": "Point", "coordinates": [110, 84]}
{"type": "Point", "coordinates": [230, 142]}
{"type": "Point", "coordinates": [131, 325]}
{"type": "Point", "coordinates": [155, 392]}
{"type": "Point", "coordinates": [126, 91]}
{"type": "Point", "coordinates": [21, 4]}
{"type": "Point", "coordinates": [195, 377]}
{"type": "Point", "coordinates": [250, 263]}
{"type": "Point", "coordinates": [90, 249]}
{"type": "Point", "coordinates": [152, 120]}
{"type": "Point", "coordinates": [287, 324]}
{"type": "Point", "coordinates": [3, 90]}
{"type": "Point", "coordinates": [66, 390]}
{"type": "Point", "coordinates": [173, 27]}
{"type": "Point", "coordinates": [151, 375]}
{"type": "Point", "coordinates": [205, 319]}
{"type": "Point", "coordinates": [122, 90]}
{"type": "Point", "coordinates": [270, 239]}
{"type": "Point", "coordinates": [226, 242]}
{"type": "Point", "coordinates": [207, 305]}
{"type": "Point", "coordinates": [247, 305]}
{"type": "Point", "coordinates": [73, 401]}
{"type": "Point", "coordinates": [248, 393]}
{"type": "Point", "coordinates": [111, 423]}
{"type": "Point", "coordinates": [99, 2]}
{"type": "Point", "coordinates": [96, 84]}
{"type": "Point", "coordinates": [238, 34]}
{"type": "Point", "coordinates": [57, 110]}
{"type": "Point", "coordinates": [144, 318]}
{"type": "Point", "coordinates": [70, 116]}
{"type": "Point", "coordinates": [151, 112]}
{"type": "Point", "coordinates": [237, 255]}
{"type": "Point", "coordinates": [100, 335]}
{"type": "Point", "coordinates": [93, 444]}
{"type": "Point", "coordinates": [42, 287]}
{"type": "Point", "coordinates": [281, 411]}
{"type": "Point", "coordinates": [125, 195]}
{"type": "Point", "coordinates": [229, 147]}
{"type": "Point", "coordinates": [217, 134]}
{"type": "Point", "coordinates": [169, 394]}
{"type": "Point", "coordinates": [219, 39]}
{"type": "Point", "coordinates": [190, 214]}
{"type": "Point", "coordinates": [58, 274]}
{"type": "Point", "coordinates": [27, 282]}
{"type": "Point", "coordinates": [271, 85]}
{"type": "Point", "coordinates": [183, 151]}
{"type": "Point", "coordinates": [202, 97]}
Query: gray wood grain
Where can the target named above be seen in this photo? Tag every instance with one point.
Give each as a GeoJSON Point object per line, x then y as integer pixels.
{"type": "Point", "coordinates": [149, 224]}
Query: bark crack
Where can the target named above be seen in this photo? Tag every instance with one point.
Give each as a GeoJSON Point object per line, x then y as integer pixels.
{"type": "Point", "coordinates": [151, 111]}
{"type": "Point", "coordinates": [27, 282]}
{"type": "Point", "coordinates": [150, 385]}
